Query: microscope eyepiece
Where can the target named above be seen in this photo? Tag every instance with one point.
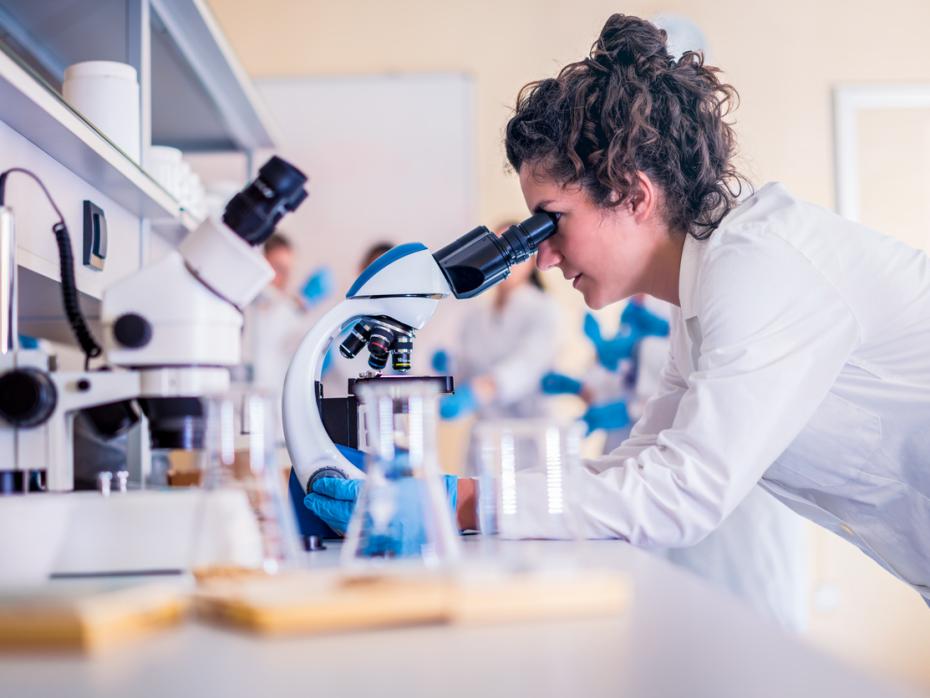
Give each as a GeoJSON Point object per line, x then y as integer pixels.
{"type": "Point", "coordinates": [254, 212]}
{"type": "Point", "coordinates": [479, 259]}
{"type": "Point", "coordinates": [524, 238]}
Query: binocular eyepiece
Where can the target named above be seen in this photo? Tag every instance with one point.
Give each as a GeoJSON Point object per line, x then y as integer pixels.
{"type": "Point", "coordinates": [479, 259]}
{"type": "Point", "coordinates": [254, 212]}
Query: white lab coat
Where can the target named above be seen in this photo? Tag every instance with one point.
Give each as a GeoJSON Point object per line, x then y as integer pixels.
{"type": "Point", "coordinates": [274, 325]}
{"type": "Point", "coordinates": [759, 554]}
{"type": "Point", "coordinates": [800, 360]}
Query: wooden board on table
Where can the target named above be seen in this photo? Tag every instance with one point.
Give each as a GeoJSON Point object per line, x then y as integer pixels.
{"type": "Point", "coordinates": [311, 602]}
{"type": "Point", "coordinates": [87, 616]}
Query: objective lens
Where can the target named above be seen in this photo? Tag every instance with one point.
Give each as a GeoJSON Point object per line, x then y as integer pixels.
{"type": "Point", "coordinates": [403, 347]}
{"type": "Point", "coordinates": [356, 340]}
{"type": "Point", "coordinates": [379, 346]}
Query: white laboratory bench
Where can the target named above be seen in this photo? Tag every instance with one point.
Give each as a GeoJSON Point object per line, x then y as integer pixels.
{"type": "Point", "coordinates": [678, 637]}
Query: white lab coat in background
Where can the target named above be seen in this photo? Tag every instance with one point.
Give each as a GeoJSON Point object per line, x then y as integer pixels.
{"type": "Point", "coordinates": [759, 553]}
{"type": "Point", "coordinates": [516, 345]}
{"type": "Point", "coordinates": [274, 325]}
{"type": "Point", "coordinates": [800, 360]}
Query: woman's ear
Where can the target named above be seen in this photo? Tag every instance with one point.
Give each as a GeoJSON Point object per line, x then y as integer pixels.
{"type": "Point", "coordinates": [644, 198]}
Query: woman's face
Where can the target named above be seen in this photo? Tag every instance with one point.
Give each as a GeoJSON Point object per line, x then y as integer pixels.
{"type": "Point", "coordinates": [604, 252]}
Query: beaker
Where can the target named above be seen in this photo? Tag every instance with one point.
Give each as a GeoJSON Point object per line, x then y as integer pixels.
{"type": "Point", "coordinates": [246, 520]}
{"type": "Point", "coordinates": [527, 476]}
{"type": "Point", "coordinates": [403, 510]}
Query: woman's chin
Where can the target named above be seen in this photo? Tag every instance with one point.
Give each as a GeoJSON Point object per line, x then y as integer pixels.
{"type": "Point", "coordinates": [594, 297]}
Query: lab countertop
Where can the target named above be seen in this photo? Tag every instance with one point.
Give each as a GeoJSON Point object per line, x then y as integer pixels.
{"type": "Point", "coordinates": [677, 637]}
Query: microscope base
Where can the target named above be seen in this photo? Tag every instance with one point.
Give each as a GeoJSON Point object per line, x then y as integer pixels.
{"type": "Point", "coordinates": [131, 533]}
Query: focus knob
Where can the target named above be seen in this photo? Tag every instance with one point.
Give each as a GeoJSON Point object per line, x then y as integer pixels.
{"type": "Point", "coordinates": [27, 397]}
{"type": "Point", "coordinates": [132, 331]}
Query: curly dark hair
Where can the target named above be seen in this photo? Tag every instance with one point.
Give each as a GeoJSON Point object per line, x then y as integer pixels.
{"type": "Point", "coordinates": [630, 107]}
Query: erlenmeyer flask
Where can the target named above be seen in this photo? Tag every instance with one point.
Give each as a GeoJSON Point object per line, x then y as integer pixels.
{"type": "Point", "coordinates": [244, 487]}
{"type": "Point", "coordinates": [403, 510]}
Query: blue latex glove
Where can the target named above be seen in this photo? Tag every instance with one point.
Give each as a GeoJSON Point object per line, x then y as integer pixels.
{"type": "Point", "coordinates": [27, 342]}
{"type": "Point", "coordinates": [460, 404]}
{"type": "Point", "coordinates": [610, 352]}
{"type": "Point", "coordinates": [559, 384]}
{"type": "Point", "coordinates": [318, 286]}
{"type": "Point", "coordinates": [608, 416]}
{"type": "Point", "coordinates": [592, 329]}
{"type": "Point", "coordinates": [643, 322]}
{"type": "Point", "coordinates": [441, 362]}
{"type": "Point", "coordinates": [333, 500]}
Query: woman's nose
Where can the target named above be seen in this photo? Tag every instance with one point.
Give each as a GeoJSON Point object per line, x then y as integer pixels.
{"type": "Point", "coordinates": [547, 257]}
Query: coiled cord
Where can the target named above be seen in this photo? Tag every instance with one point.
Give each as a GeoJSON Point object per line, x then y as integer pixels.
{"type": "Point", "coordinates": [69, 292]}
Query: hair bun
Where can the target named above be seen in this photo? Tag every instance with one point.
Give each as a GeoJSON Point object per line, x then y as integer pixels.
{"type": "Point", "coordinates": [631, 42]}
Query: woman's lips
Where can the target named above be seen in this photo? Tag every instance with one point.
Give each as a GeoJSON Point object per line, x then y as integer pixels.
{"type": "Point", "coordinates": [575, 281]}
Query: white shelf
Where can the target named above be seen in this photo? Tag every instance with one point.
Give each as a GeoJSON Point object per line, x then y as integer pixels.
{"type": "Point", "coordinates": [201, 98]}
{"type": "Point", "coordinates": [210, 73]}
{"type": "Point", "coordinates": [41, 117]}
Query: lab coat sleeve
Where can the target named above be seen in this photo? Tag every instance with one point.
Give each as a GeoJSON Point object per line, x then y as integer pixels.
{"type": "Point", "coordinates": [658, 413]}
{"type": "Point", "coordinates": [518, 376]}
{"type": "Point", "coordinates": [770, 336]}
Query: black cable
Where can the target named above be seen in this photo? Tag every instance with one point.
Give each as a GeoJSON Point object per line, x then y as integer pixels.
{"type": "Point", "coordinates": [69, 292]}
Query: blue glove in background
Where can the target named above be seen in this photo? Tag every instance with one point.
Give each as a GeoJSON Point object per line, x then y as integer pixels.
{"type": "Point", "coordinates": [441, 361]}
{"type": "Point", "coordinates": [559, 384]}
{"type": "Point", "coordinates": [610, 352]}
{"type": "Point", "coordinates": [27, 342]}
{"type": "Point", "coordinates": [460, 404]}
{"type": "Point", "coordinates": [318, 286]}
{"type": "Point", "coordinates": [333, 500]}
{"type": "Point", "coordinates": [644, 322]}
{"type": "Point", "coordinates": [592, 329]}
{"type": "Point", "coordinates": [608, 416]}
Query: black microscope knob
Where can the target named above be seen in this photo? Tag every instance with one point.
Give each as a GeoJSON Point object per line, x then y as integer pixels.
{"type": "Point", "coordinates": [27, 397]}
{"type": "Point", "coordinates": [132, 331]}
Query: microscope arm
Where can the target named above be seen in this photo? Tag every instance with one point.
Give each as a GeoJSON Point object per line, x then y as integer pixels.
{"type": "Point", "coordinates": [308, 444]}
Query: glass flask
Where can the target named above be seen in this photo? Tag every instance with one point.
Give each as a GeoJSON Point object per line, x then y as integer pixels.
{"type": "Point", "coordinates": [245, 521]}
{"type": "Point", "coordinates": [528, 469]}
{"type": "Point", "coordinates": [403, 510]}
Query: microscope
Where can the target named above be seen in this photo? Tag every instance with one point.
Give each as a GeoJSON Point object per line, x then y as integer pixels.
{"type": "Point", "coordinates": [385, 306]}
{"type": "Point", "coordinates": [171, 335]}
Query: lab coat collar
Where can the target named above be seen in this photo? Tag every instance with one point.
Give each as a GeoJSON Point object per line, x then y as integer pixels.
{"type": "Point", "coordinates": [692, 255]}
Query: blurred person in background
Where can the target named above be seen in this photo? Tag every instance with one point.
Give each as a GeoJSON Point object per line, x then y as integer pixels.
{"type": "Point", "coordinates": [278, 318]}
{"type": "Point", "coordinates": [504, 348]}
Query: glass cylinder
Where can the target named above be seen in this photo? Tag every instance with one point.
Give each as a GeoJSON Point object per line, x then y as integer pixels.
{"type": "Point", "coordinates": [528, 469]}
{"type": "Point", "coordinates": [403, 509]}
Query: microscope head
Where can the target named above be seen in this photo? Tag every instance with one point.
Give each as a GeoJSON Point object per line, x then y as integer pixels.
{"type": "Point", "coordinates": [406, 284]}
{"type": "Point", "coordinates": [178, 322]}
{"type": "Point", "coordinates": [407, 275]}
